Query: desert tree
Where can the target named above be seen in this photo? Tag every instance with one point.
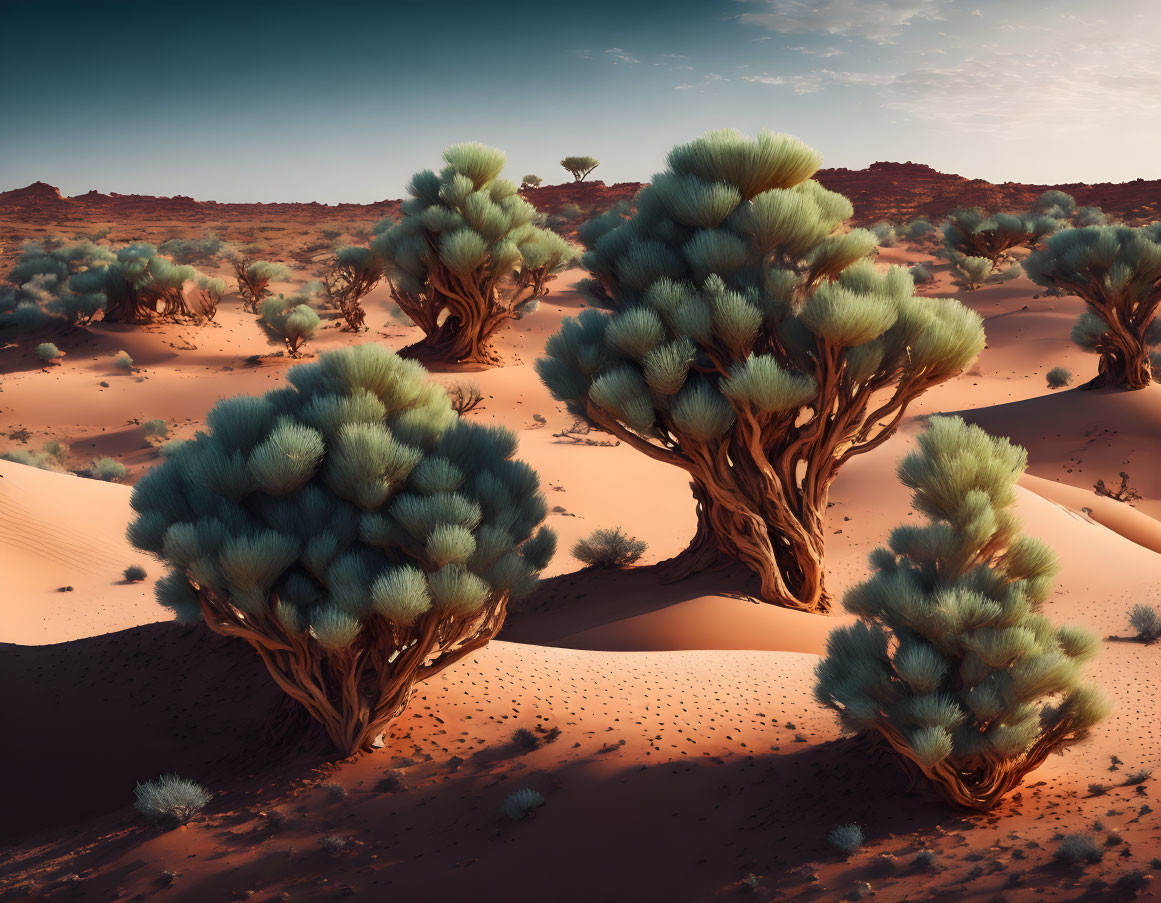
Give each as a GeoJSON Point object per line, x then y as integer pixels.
{"type": "Point", "coordinates": [580, 167]}
{"type": "Point", "coordinates": [531, 181]}
{"type": "Point", "coordinates": [254, 278]}
{"type": "Point", "coordinates": [1116, 271]}
{"type": "Point", "coordinates": [970, 232]}
{"type": "Point", "coordinates": [753, 344]}
{"type": "Point", "coordinates": [349, 278]}
{"type": "Point", "coordinates": [1061, 206]}
{"type": "Point", "coordinates": [39, 295]}
{"type": "Point", "coordinates": [468, 255]}
{"type": "Point", "coordinates": [289, 319]}
{"type": "Point", "coordinates": [351, 528]}
{"type": "Point", "coordinates": [951, 662]}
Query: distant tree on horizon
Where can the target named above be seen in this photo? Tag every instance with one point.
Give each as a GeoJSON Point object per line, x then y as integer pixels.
{"type": "Point", "coordinates": [951, 661]}
{"type": "Point", "coordinates": [743, 336]}
{"type": "Point", "coordinates": [531, 181]}
{"type": "Point", "coordinates": [580, 167]}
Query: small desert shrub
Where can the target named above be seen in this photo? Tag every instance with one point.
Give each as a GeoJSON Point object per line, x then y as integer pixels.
{"type": "Point", "coordinates": [846, 838]}
{"type": "Point", "coordinates": [155, 429]}
{"type": "Point", "coordinates": [531, 181]}
{"type": "Point", "coordinates": [172, 447]}
{"type": "Point", "coordinates": [918, 229]}
{"type": "Point", "coordinates": [1077, 849]}
{"type": "Point", "coordinates": [106, 469]}
{"type": "Point", "coordinates": [171, 796]}
{"type": "Point", "coordinates": [122, 361]}
{"type": "Point", "coordinates": [885, 235]}
{"type": "Point", "coordinates": [135, 573]}
{"type": "Point", "coordinates": [606, 548]}
{"type": "Point", "coordinates": [521, 803]}
{"type": "Point", "coordinates": [1146, 620]}
{"type": "Point", "coordinates": [973, 271]}
{"type": "Point", "coordinates": [51, 458]}
{"type": "Point", "coordinates": [1138, 777]}
{"type": "Point", "coordinates": [254, 278]}
{"type": "Point", "coordinates": [290, 319]}
{"type": "Point", "coordinates": [924, 859]}
{"type": "Point", "coordinates": [206, 249]}
{"type": "Point", "coordinates": [1058, 377]}
{"type": "Point", "coordinates": [464, 397]}
{"type": "Point", "coordinates": [920, 274]}
{"type": "Point", "coordinates": [1098, 789]}
{"type": "Point", "coordinates": [48, 353]}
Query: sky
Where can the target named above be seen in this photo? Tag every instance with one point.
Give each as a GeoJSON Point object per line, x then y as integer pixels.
{"type": "Point", "coordinates": [342, 101]}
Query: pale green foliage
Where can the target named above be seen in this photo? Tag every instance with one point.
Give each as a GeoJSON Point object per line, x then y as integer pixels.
{"type": "Point", "coordinates": [1058, 377]}
{"type": "Point", "coordinates": [521, 803]}
{"type": "Point", "coordinates": [735, 292]}
{"type": "Point", "coordinates": [122, 361]}
{"type": "Point", "coordinates": [467, 239]}
{"type": "Point", "coordinates": [580, 167]}
{"type": "Point", "coordinates": [1056, 204]}
{"type": "Point", "coordinates": [951, 650]}
{"type": "Point", "coordinates": [1116, 270]}
{"type": "Point", "coordinates": [289, 318]}
{"type": "Point", "coordinates": [607, 548]}
{"type": "Point", "coordinates": [52, 456]}
{"type": "Point", "coordinates": [207, 249]}
{"type": "Point", "coordinates": [353, 495]}
{"type": "Point", "coordinates": [972, 271]}
{"type": "Point", "coordinates": [48, 353]}
{"type": "Point", "coordinates": [885, 235]}
{"type": "Point", "coordinates": [531, 181]}
{"type": "Point", "coordinates": [1078, 849]}
{"type": "Point", "coordinates": [106, 469]}
{"type": "Point", "coordinates": [920, 274]}
{"type": "Point", "coordinates": [155, 429]}
{"type": "Point", "coordinates": [41, 295]}
{"type": "Point", "coordinates": [171, 797]}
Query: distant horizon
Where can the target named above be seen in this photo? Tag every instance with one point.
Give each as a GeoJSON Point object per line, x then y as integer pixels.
{"type": "Point", "coordinates": [565, 182]}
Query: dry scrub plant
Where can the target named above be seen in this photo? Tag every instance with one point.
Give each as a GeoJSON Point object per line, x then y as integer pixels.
{"type": "Point", "coordinates": [349, 278]}
{"type": "Point", "coordinates": [351, 528]}
{"type": "Point", "coordinates": [289, 319]}
{"type": "Point", "coordinates": [469, 255]}
{"type": "Point", "coordinates": [951, 662]}
{"type": "Point", "coordinates": [1116, 271]}
{"type": "Point", "coordinates": [753, 345]}
{"type": "Point", "coordinates": [254, 278]}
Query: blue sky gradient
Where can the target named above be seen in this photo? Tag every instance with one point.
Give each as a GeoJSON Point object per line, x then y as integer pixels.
{"type": "Point", "coordinates": [342, 101]}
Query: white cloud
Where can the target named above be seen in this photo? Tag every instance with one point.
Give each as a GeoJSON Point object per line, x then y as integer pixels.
{"type": "Point", "coordinates": [876, 20]}
{"type": "Point", "coordinates": [617, 55]}
{"type": "Point", "coordinates": [821, 52]}
{"type": "Point", "coordinates": [813, 82]}
{"type": "Point", "coordinates": [711, 78]}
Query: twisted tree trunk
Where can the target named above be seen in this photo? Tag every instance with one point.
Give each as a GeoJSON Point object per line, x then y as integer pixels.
{"type": "Point", "coordinates": [1124, 361]}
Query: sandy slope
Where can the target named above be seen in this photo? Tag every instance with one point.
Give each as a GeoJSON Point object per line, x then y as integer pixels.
{"type": "Point", "coordinates": [677, 773]}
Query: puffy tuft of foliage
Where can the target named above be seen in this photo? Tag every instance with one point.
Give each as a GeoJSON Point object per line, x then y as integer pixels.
{"type": "Point", "coordinates": [918, 229]}
{"type": "Point", "coordinates": [1078, 849]}
{"type": "Point", "coordinates": [920, 274]}
{"type": "Point", "coordinates": [970, 232]}
{"type": "Point", "coordinates": [531, 181]}
{"type": "Point", "coordinates": [885, 235]}
{"type": "Point", "coordinates": [52, 456]}
{"type": "Point", "coordinates": [122, 361]}
{"type": "Point", "coordinates": [750, 341]}
{"type": "Point", "coordinates": [155, 429]}
{"type": "Point", "coordinates": [951, 661]}
{"type": "Point", "coordinates": [171, 797]}
{"type": "Point", "coordinates": [605, 548]}
{"type": "Point", "coordinates": [1116, 271]}
{"type": "Point", "coordinates": [972, 271]}
{"type": "Point", "coordinates": [48, 353]}
{"type": "Point", "coordinates": [1058, 377]}
{"type": "Point", "coordinates": [469, 255]}
{"type": "Point", "coordinates": [289, 319]}
{"type": "Point", "coordinates": [351, 528]}
{"type": "Point", "coordinates": [135, 573]}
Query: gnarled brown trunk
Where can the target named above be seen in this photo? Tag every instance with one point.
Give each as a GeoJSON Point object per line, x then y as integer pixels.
{"type": "Point", "coordinates": [738, 527]}
{"type": "Point", "coordinates": [1124, 364]}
